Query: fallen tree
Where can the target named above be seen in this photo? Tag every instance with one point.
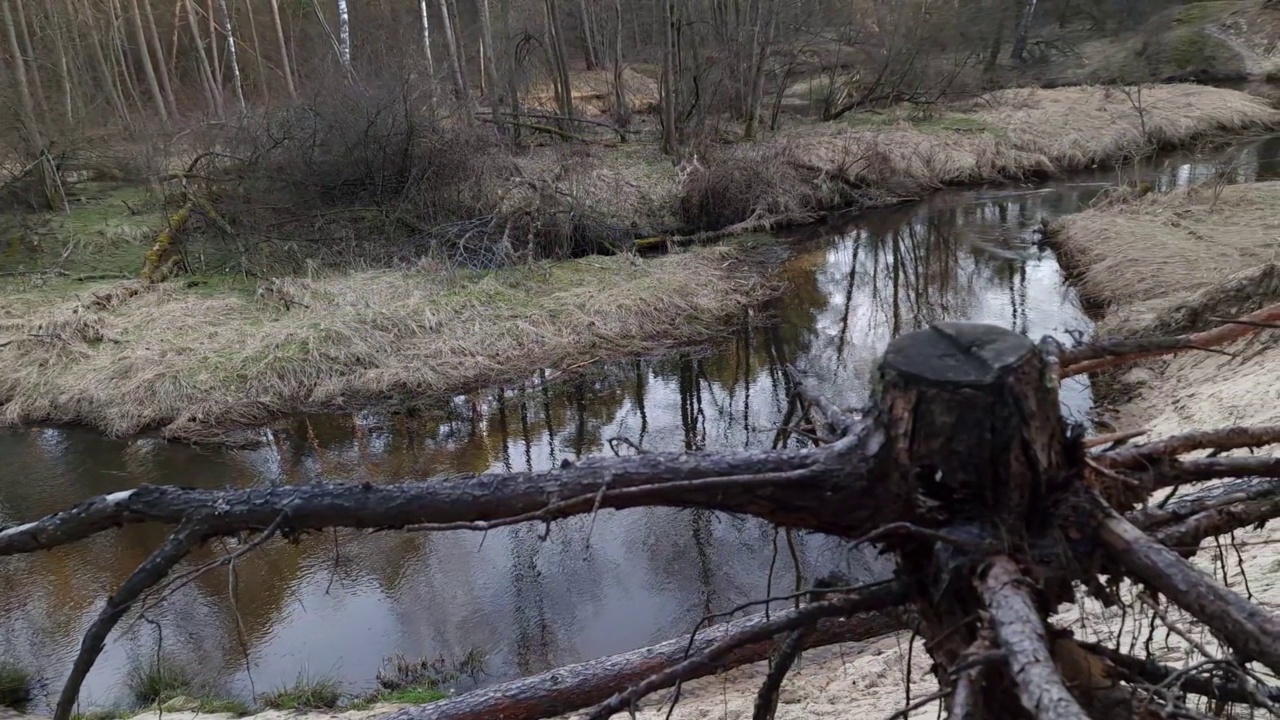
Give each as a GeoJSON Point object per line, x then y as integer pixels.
{"type": "Point", "coordinates": [996, 509]}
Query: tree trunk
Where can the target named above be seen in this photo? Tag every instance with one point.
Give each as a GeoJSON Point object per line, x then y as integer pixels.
{"type": "Point", "coordinates": [559, 59]}
{"type": "Point", "coordinates": [344, 36]}
{"type": "Point", "coordinates": [64, 75]}
{"type": "Point", "coordinates": [162, 69]}
{"type": "Point", "coordinates": [27, 117]}
{"type": "Point", "coordinates": [762, 41]}
{"type": "Point", "coordinates": [33, 62]}
{"type": "Point", "coordinates": [257, 55]}
{"type": "Point", "coordinates": [489, 61]}
{"type": "Point", "coordinates": [667, 87]}
{"type": "Point", "coordinates": [426, 36]}
{"type": "Point", "coordinates": [621, 109]}
{"type": "Point", "coordinates": [115, 94]}
{"type": "Point", "coordinates": [1019, 50]}
{"type": "Point", "coordinates": [455, 56]}
{"type": "Point", "coordinates": [213, 91]}
{"type": "Point", "coordinates": [233, 57]}
{"type": "Point", "coordinates": [285, 68]}
{"type": "Point", "coordinates": [974, 442]}
{"type": "Point", "coordinates": [588, 37]}
{"type": "Point", "coordinates": [148, 69]}
{"type": "Point", "coordinates": [511, 68]}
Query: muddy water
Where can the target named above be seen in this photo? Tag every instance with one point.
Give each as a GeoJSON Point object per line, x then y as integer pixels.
{"type": "Point", "coordinates": [526, 598]}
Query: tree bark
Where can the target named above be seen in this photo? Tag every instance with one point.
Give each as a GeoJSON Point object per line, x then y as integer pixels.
{"type": "Point", "coordinates": [621, 109]}
{"type": "Point", "coordinates": [213, 91]}
{"type": "Point", "coordinates": [425, 19]}
{"type": "Point", "coordinates": [667, 88]}
{"type": "Point", "coordinates": [285, 65]}
{"type": "Point", "coordinates": [559, 59]}
{"type": "Point", "coordinates": [162, 68]}
{"type": "Point", "coordinates": [973, 443]}
{"type": "Point", "coordinates": [233, 57]}
{"type": "Point", "coordinates": [344, 36]}
{"type": "Point", "coordinates": [1242, 626]}
{"type": "Point", "coordinates": [1019, 50]}
{"type": "Point", "coordinates": [762, 40]}
{"type": "Point", "coordinates": [489, 60]}
{"type": "Point", "coordinates": [455, 56]}
{"type": "Point", "coordinates": [568, 689]}
{"type": "Point", "coordinates": [589, 54]}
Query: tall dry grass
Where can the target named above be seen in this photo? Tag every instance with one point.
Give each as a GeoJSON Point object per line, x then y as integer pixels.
{"type": "Point", "coordinates": [196, 363]}
{"type": "Point", "coordinates": [1009, 134]}
{"type": "Point", "coordinates": [1144, 257]}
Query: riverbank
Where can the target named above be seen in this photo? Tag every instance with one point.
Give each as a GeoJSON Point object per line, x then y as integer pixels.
{"type": "Point", "coordinates": [206, 354]}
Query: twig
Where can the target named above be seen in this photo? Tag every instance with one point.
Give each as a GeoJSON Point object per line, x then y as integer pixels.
{"type": "Point", "coordinates": [1114, 439]}
{"type": "Point", "coordinates": [932, 697]}
{"type": "Point", "coordinates": [767, 698]}
{"type": "Point", "coordinates": [1157, 674]}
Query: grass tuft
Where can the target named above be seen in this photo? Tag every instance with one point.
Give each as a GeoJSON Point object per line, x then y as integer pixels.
{"type": "Point", "coordinates": [17, 685]}
{"type": "Point", "coordinates": [158, 680]}
{"type": "Point", "coordinates": [306, 693]}
{"type": "Point", "coordinates": [413, 696]}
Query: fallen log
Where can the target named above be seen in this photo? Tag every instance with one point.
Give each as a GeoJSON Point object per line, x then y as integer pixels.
{"type": "Point", "coordinates": [579, 686]}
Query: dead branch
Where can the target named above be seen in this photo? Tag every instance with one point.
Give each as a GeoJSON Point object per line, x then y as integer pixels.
{"type": "Point", "coordinates": [1246, 628]}
{"type": "Point", "coordinates": [841, 423]}
{"type": "Point", "coordinates": [1099, 356]}
{"type": "Point", "coordinates": [1186, 536]}
{"type": "Point", "coordinates": [800, 488]}
{"type": "Point", "coordinates": [767, 697]}
{"type": "Point", "coordinates": [1144, 456]}
{"type": "Point", "coordinates": [875, 597]}
{"type": "Point", "coordinates": [1019, 628]}
{"type": "Point", "coordinates": [1152, 672]}
{"type": "Point", "coordinates": [152, 570]}
{"type": "Point", "coordinates": [1115, 438]}
{"type": "Point", "coordinates": [1157, 517]}
{"type": "Point", "coordinates": [568, 689]}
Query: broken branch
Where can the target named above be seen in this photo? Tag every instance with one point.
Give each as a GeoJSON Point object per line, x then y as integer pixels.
{"type": "Point", "coordinates": [1102, 355]}
{"type": "Point", "coordinates": [1244, 627]}
{"type": "Point", "coordinates": [1229, 438]}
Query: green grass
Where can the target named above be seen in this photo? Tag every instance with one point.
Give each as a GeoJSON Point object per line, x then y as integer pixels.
{"type": "Point", "coordinates": [225, 706]}
{"type": "Point", "coordinates": [305, 693]}
{"type": "Point", "coordinates": [158, 680]}
{"type": "Point", "coordinates": [413, 696]}
{"type": "Point", "coordinates": [17, 685]}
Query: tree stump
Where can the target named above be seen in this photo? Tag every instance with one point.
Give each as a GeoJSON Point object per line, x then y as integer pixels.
{"type": "Point", "coordinates": [976, 449]}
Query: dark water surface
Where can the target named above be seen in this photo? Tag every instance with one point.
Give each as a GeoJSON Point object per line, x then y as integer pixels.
{"type": "Point", "coordinates": [339, 604]}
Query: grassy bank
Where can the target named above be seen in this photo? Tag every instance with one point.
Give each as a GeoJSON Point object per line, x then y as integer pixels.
{"type": "Point", "coordinates": [195, 359]}
{"type": "Point", "coordinates": [201, 354]}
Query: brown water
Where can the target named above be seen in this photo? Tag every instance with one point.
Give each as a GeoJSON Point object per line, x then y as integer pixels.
{"type": "Point", "coordinates": [340, 604]}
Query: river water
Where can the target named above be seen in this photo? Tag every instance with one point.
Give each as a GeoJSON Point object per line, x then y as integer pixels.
{"type": "Point", "coordinates": [526, 598]}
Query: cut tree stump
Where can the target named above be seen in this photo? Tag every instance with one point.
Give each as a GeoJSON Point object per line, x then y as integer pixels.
{"type": "Point", "coordinates": [976, 449]}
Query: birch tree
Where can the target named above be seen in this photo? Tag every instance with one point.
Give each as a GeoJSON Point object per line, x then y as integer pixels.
{"type": "Point", "coordinates": [426, 36]}
{"type": "Point", "coordinates": [233, 57]}
{"type": "Point", "coordinates": [344, 36]}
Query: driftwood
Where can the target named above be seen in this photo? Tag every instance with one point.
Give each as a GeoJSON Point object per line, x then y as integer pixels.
{"type": "Point", "coordinates": [962, 467]}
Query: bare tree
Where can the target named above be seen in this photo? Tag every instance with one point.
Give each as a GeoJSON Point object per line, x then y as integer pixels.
{"type": "Point", "coordinates": [233, 57]}
{"type": "Point", "coordinates": [344, 36]}
{"type": "Point", "coordinates": [426, 36]}
{"type": "Point", "coordinates": [30, 124]}
{"type": "Point", "coordinates": [455, 55]}
{"type": "Point", "coordinates": [285, 65]}
{"type": "Point", "coordinates": [1019, 50]}
{"type": "Point", "coordinates": [590, 56]}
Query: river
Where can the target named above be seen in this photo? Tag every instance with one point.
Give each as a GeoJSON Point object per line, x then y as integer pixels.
{"type": "Point", "coordinates": [529, 598]}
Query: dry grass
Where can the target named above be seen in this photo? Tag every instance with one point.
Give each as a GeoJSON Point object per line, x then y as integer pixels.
{"type": "Point", "coordinates": [193, 362]}
{"type": "Point", "coordinates": [1145, 257]}
{"type": "Point", "coordinates": [1016, 134]}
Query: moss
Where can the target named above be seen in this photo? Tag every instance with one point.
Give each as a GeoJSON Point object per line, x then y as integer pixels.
{"type": "Point", "coordinates": [305, 693]}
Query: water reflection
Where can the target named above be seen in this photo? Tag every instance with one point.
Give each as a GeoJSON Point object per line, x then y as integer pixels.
{"type": "Point", "coordinates": [531, 597]}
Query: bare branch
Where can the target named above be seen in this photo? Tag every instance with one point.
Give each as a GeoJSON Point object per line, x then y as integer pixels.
{"type": "Point", "coordinates": [1218, 495]}
{"type": "Point", "coordinates": [843, 424]}
{"type": "Point", "coordinates": [1019, 628]}
{"type": "Point", "coordinates": [822, 489]}
{"type": "Point", "coordinates": [767, 698]}
{"type": "Point", "coordinates": [1099, 356]}
{"type": "Point", "coordinates": [1186, 536]}
{"type": "Point", "coordinates": [1228, 438]}
{"type": "Point", "coordinates": [151, 571]}
{"type": "Point", "coordinates": [568, 689]}
{"type": "Point", "coordinates": [877, 597]}
{"type": "Point", "coordinates": [1244, 627]}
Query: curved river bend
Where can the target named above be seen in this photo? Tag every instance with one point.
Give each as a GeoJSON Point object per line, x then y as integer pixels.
{"type": "Point", "coordinates": [339, 604]}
